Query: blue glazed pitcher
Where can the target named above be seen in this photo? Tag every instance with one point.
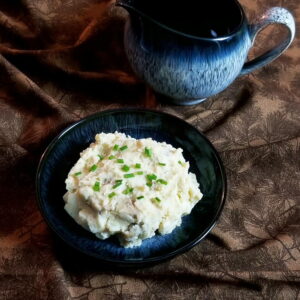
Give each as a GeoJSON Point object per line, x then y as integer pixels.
{"type": "Point", "coordinates": [190, 50]}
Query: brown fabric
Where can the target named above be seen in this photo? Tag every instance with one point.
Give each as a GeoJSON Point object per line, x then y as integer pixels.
{"type": "Point", "coordinates": [63, 60]}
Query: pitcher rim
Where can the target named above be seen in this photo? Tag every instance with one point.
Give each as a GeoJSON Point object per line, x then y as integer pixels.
{"type": "Point", "coordinates": [220, 38]}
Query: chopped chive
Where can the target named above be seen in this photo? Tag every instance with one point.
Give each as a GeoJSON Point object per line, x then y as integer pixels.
{"type": "Point", "coordinates": [93, 168]}
{"type": "Point", "coordinates": [111, 195]}
{"type": "Point", "coordinates": [180, 162]}
{"type": "Point", "coordinates": [111, 157]}
{"type": "Point", "coordinates": [149, 184]}
{"type": "Point", "coordinates": [120, 161]}
{"type": "Point", "coordinates": [139, 173]}
{"type": "Point", "coordinates": [151, 177]}
{"type": "Point", "coordinates": [140, 197]}
{"type": "Point", "coordinates": [162, 181]}
{"type": "Point", "coordinates": [78, 173]}
{"type": "Point", "coordinates": [127, 191]}
{"type": "Point", "coordinates": [130, 175]}
{"type": "Point", "coordinates": [123, 148]}
{"type": "Point", "coordinates": [96, 186]}
{"type": "Point", "coordinates": [101, 157]}
{"type": "Point", "coordinates": [162, 164]}
{"type": "Point", "coordinates": [116, 147]}
{"type": "Point", "coordinates": [125, 168]}
{"type": "Point", "coordinates": [157, 199]}
{"type": "Point", "coordinates": [148, 152]}
{"type": "Point", "coordinates": [117, 184]}
{"type": "Point", "coordinates": [137, 166]}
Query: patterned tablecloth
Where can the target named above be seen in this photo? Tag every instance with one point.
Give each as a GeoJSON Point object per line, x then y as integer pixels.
{"type": "Point", "coordinates": [63, 60]}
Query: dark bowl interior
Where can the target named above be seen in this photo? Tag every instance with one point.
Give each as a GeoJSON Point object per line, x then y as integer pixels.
{"type": "Point", "coordinates": [64, 151]}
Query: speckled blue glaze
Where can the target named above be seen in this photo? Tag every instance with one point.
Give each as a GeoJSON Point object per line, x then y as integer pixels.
{"type": "Point", "coordinates": [189, 69]}
{"type": "Point", "coordinates": [64, 151]}
{"type": "Point", "coordinates": [182, 68]}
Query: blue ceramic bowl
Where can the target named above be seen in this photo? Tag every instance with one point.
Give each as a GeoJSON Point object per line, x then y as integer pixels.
{"type": "Point", "coordinates": [64, 151]}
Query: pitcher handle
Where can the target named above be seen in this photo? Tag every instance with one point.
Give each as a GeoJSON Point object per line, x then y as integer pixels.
{"type": "Point", "coordinates": [275, 15]}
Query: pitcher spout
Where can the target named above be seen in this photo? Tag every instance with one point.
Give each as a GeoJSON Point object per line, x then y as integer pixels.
{"type": "Point", "coordinates": [129, 5]}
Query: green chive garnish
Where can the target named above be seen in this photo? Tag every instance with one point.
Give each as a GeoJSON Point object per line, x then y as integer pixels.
{"type": "Point", "coordinates": [93, 168]}
{"type": "Point", "coordinates": [149, 184]}
{"type": "Point", "coordinates": [140, 197]}
{"type": "Point", "coordinates": [151, 177]}
{"type": "Point", "coordinates": [78, 173]}
{"type": "Point", "coordinates": [162, 164]}
{"type": "Point", "coordinates": [139, 173]}
{"type": "Point", "coordinates": [127, 191]}
{"type": "Point", "coordinates": [148, 152]}
{"type": "Point", "coordinates": [130, 175]}
{"type": "Point", "coordinates": [117, 184]}
{"type": "Point", "coordinates": [101, 157]}
{"type": "Point", "coordinates": [123, 148]}
{"type": "Point", "coordinates": [157, 199]}
{"type": "Point", "coordinates": [96, 186]}
{"type": "Point", "coordinates": [162, 181]}
{"type": "Point", "coordinates": [125, 168]}
{"type": "Point", "coordinates": [111, 157]}
{"type": "Point", "coordinates": [180, 162]}
{"type": "Point", "coordinates": [116, 147]}
{"type": "Point", "coordinates": [137, 166]}
{"type": "Point", "coordinates": [111, 195]}
{"type": "Point", "coordinates": [120, 161]}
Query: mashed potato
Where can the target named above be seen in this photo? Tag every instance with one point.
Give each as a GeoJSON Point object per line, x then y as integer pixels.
{"type": "Point", "coordinates": [130, 188]}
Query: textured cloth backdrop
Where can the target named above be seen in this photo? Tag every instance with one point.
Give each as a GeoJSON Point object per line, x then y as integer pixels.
{"type": "Point", "coordinates": [63, 60]}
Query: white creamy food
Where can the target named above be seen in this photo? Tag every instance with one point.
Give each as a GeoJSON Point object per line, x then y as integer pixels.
{"type": "Point", "coordinates": [130, 188]}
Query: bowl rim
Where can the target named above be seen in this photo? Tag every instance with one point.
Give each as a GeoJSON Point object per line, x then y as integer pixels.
{"type": "Point", "coordinates": [154, 259]}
